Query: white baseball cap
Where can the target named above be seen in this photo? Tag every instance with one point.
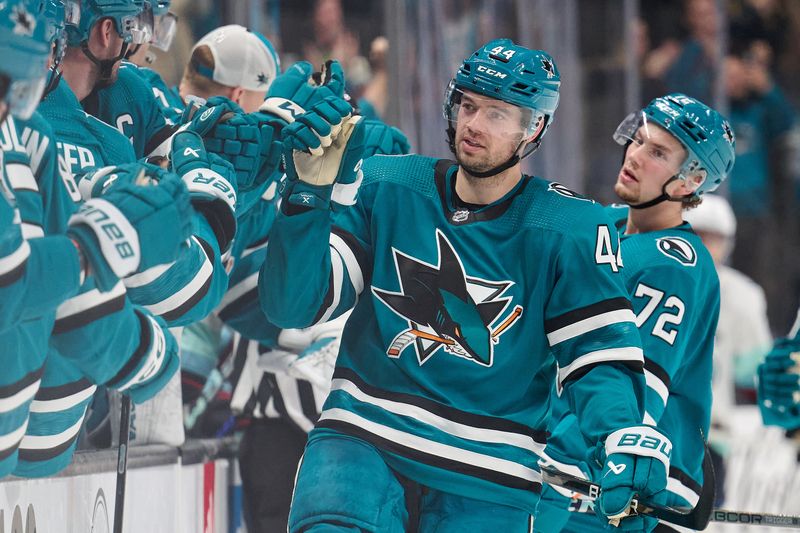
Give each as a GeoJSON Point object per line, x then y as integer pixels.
{"type": "Point", "coordinates": [713, 215]}
{"type": "Point", "coordinates": [242, 58]}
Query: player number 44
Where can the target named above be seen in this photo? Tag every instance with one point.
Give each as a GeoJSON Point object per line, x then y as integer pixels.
{"type": "Point", "coordinates": [604, 252]}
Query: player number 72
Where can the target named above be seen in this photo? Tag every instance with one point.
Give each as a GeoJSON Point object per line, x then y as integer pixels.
{"type": "Point", "coordinates": [673, 313]}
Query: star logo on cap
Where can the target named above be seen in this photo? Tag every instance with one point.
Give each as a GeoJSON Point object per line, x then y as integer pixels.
{"type": "Point", "coordinates": [262, 79]}
{"type": "Point", "coordinates": [24, 23]}
{"type": "Point", "coordinates": [547, 65]}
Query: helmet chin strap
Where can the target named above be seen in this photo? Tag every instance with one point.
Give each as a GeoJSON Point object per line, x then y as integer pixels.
{"type": "Point", "coordinates": [106, 65]}
{"type": "Point", "coordinates": [510, 162]}
{"type": "Point", "coordinates": [660, 198]}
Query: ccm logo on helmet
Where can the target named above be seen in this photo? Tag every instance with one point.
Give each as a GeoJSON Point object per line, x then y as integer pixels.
{"type": "Point", "coordinates": [491, 72]}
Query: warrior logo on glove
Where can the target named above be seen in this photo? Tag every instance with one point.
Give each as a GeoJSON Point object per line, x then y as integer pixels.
{"type": "Point", "coordinates": [447, 309]}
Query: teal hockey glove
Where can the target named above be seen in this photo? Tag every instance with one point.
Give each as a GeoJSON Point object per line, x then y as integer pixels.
{"type": "Point", "coordinates": [299, 88]}
{"type": "Point", "coordinates": [636, 464]}
{"type": "Point", "coordinates": [115, 232]}
{"type": "Point", "coordinates": [383, 139]}
{"type": "Point", "coordinates": [211, 182]}
{"type": "Point", "coordinates": [96, 183]}
{"type": "Point", "coordinates": [323, 147]}
{"type": "Point", "coordinates": [202, 116]}
{"type": "Point", "coordinates": [779, 385]}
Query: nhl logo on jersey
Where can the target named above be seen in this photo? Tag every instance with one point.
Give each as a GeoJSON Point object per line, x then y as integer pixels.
{"type": "Point", "coordinates": [460, 216]}
{"type": "Point", "coordinates": [678, 249]}
{"type": "Point", "coordinates": [447, 310]}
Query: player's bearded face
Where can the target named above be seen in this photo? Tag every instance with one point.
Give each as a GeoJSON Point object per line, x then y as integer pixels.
{"type": "Point", "coordinates": [488, 131]}
{"type": "Point", "coordinates": [651, 158]}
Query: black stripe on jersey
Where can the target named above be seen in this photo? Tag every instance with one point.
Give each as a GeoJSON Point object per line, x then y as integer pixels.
{"type": "Point", "coordinates": [235, 307]}
{"type": "Point", "coordinates": [307, 401]}
{"type": "Point", "coordinates": [634, 366]}
{"type": "Point", "coordinates": [62, 391]}
{"type": "Point", "coordinates": [461, 417]}
{"type": "Point", "coordinates": [141, 351]}
{"type": "Point", "coordinates": [656, 369]}
{"type": "Point", "coordinates": [90, 315]}
{"type": "Point", "coordinates": [436, 461]}
{"type": "Point", "coordinates": [158, 138]}
{"type": "Point", "coordinates": [606, 306]}
{"type": "Point", "coordinates": [13, 275]}
{"type": "Point", "coordinates": [360, 254]}
{"type": "Point", "coordinates": [257, 244]}
{"type": "Point", "coordinates": [683, 477]}
{"type": "Point", "coordinates": [186, 306]}
{"type": "Point", "coordinates": [6, 391]}
{"type": "Point", "coordinates": [5, 453]}
{"type": "Point", "coordinates": [328, 301]}
{"type": "Point", "coordinates": [35, 455]}
{"type": "Point", "coordinates": [240, 357]}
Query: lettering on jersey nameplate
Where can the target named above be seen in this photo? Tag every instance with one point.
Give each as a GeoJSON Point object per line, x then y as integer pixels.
{"type": "Point", "coordinates": [446, 309]}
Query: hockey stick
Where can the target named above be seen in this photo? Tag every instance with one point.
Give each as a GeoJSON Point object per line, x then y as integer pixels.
{"type": "Point", "coordinates": [693, 518]}
{"type": "Point", "coordinates": [122, 461]}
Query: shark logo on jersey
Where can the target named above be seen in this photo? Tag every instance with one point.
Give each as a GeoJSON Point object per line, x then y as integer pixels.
{"type": "Point", "coordinates": [678, 249]}
{"type": "Point", "coordinates": [446, 309]}
{"type": "Point", "coordinates": [564, 191]}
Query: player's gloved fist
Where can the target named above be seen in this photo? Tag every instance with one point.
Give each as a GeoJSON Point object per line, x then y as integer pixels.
{"type": "Point", "coordinates": [383, 139]}
{"type": "Point", "coordinates": [201, 116]}
{"type": "Point", "coordinates": [635, 465]}
{"type": "Point", "coordinates": [115, 232]}
{"type": "Point", "coordinates": [299, 88]}
{"type": "Point", "coordinates": [779, 384]}
{"type": "Point", "coordinates": [322, 148]}
{"type": "Point", "coordinates": [96, 183]}
{"type": "Point", "coordinates": [211, 182]}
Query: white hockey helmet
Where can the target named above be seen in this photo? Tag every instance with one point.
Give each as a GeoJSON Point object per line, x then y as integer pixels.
{"type": "Point", "coordinates": [713, 215]}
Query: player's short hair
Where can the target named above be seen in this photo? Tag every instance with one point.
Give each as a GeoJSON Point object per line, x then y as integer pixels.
{"type": "Point", "coordinates": [202, 60]}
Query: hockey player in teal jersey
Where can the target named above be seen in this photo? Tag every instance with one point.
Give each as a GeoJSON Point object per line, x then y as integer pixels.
{"type": "Point", "coordinates": [676, 149]}
{"type": "Point", "coordinates": [474, 288]}
{"type": "Point", "coordinates": [44, 208]}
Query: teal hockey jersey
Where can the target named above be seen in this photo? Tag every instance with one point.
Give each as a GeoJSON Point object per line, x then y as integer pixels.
{"type": "Point", "coordinates": [90, 338]}
{"type": "Point", "coordinates": [674, 289]}
{"type": "Point", "coordinates": [462, 321]}
{"type": "Point", "coordinates": [130, 106]}
{"type": "Point", "coordinates": [168, 99]}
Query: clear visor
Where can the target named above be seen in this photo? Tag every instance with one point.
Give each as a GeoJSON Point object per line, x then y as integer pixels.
{"type": "Point", "coordinates": [166, 26]}
{"type": "Point", "coordinates": [72, 12]}
{"type": "Point", "coordinates": [24, 95]}
{"type": "Point", "coordinates": [651, 141]}
{"type": "Point", "coordinates": [492, 116]}
{"type": "Point", "coordinates": [140, 27]}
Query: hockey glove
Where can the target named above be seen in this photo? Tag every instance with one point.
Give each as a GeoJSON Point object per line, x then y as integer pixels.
{"type": "Point", "coordinates": [115, 232]}
{"type": "Point", "coordinates": [96, 183]}
{"type": "Point", "coordinates": [383, 139]}
{"type": "Point", "coordinates": [635, 464]}
{"type": "Point", "coordinates": [151, 372]}
{"type": "Point", "coordinates": [211, 182]}
{"type": "Point", "coordinates": [323, 147]}
{"type": "Point", "coordinates": [779, 385]}
{"type": "Point", "coordinates": [300, 88]}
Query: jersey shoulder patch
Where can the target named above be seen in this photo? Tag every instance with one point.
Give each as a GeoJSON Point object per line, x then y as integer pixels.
{"type": "Point", "coordinates": [678, 249]}
{"type": "Point", "coordinates": [563, 190]}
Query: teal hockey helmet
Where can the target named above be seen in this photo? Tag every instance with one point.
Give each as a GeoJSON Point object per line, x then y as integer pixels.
{"type": "Point", "coordinates": [160, 7]}
{"type": "Point", "coordinates": [124, 13]}
{"type": "Point", "coordinates": [704, 133]}
{"type": "Point", "coordinates": [25, 49]}
{"type": "Point", "coordinates": [514, 74]}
